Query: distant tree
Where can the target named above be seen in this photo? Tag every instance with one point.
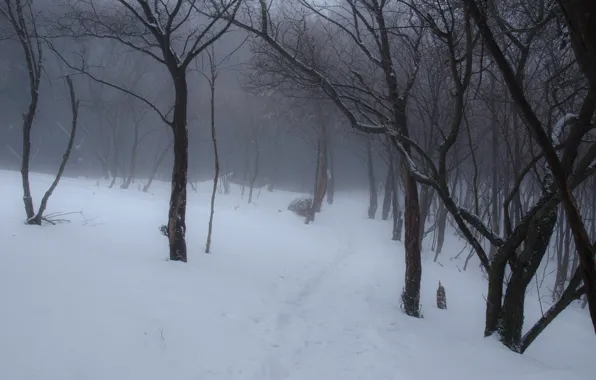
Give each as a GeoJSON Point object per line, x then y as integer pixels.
{"type": "Point", "coordinates": [160, 157]}
{"type": "Point", "coordinates": [372, 182]}
{"type": "Point", "coordinates": [374, 101]}
{"type": "Point", "coordinates": [256, 133]}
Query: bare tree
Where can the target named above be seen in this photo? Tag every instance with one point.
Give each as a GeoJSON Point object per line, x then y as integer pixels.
{"type": "Point", "coordinates": [22, 18]}
{"type": "Point", "coordinates": [74, 106]}
{"type": "Point", "coordinates": [157, 164]}
{"type": "Point", "coordinates": [257, 129]}
{"type": "Point", "coordinates": [137, 139]}
{"type": "Point", "coordinates": [560, 168]}
{"type": "Point", "coordinates": [321, 124]}
{"type": "Point", "coordinates": [372, 183]}
{"type": "Point", "coordinates": [355, 21]}
{"type": "Point", "coordinates": [367, 88]}
{"type": "Point", "coordinates": [161, 31]}
{"type": "Point", "coordinates": [211, 78]}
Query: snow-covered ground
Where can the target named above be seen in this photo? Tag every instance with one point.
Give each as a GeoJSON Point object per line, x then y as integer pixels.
{"type": "Point", "coordinates": [96, 298]}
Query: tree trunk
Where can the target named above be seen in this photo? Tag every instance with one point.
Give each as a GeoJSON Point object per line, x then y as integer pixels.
{"type": "Point", "coordinates": [388, 192]}
{"type": "Point", "coordinates": [156, 166]}
{"type": "Point", "coordinates": [246, 169]}
{"type": "Point", "coordinates": [562, 262]}
{"type": "Point", "coordinates": [580, 16]}
{"type": "Point", "coordinates": [397, 213]}
{"type": "Point", "coordinates": [27, 124]}
{"type": "Point", "coordinates": [331, 171]}
{"type": "Point", "coordinates": [441, 226]}
{"type": "Point", "coordinates": [131, 169]}
{"type": "Point", "coordinates": [372, 183]}
{"type": "Point", "coordinates": [105, 167]}
{"type": "Point", "coordinates": [320, 177]}
{"type": "Point", "coordinates": [255, 172]}
{"type": "Point", "coordinates": [425, 203]}
{"type": "Point", "coordinates": [216, 157]}
{"type": "Point", "coordinates": [495, 187]}
{"type": "Point", "coordinates": [75, 113]}
{"type": "Point", "coordinates": [411, 294]}
{"type": "Point", "coordinates": [535, 245]}
{"type": "Point", "coordinates": [177, 213]}
{"type": "Point", "coordinates": [276, 159]}
{"type": "Point", "coordinates": [512, 314]}
{"type": "Point", "coordinates": [494, 297]}
{"type": "Point", "coordinates": [570, 294]}
{"type": "Point", "coordinates": [115, 156]}
{"type": "Point", "coordinates": [517, 205]}
{"type": "Point", "coordinates": [133, 159]}
{"type": "Point", "coordinates": [28, 40]}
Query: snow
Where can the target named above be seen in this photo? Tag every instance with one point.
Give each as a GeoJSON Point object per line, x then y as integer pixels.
{"type": "Point", "coordinates": [559, 126]}
{"type": "Point", "coordinates": [97, 299]}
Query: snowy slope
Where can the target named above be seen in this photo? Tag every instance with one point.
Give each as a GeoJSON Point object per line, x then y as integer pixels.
{"type": "Point", "coordinates": [96, 298]}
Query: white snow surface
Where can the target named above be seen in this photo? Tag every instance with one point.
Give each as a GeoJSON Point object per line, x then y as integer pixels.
{"type": "Point", "coordinates": [97, 299]}
{"type": "Point", "coordinates": [559, 126]}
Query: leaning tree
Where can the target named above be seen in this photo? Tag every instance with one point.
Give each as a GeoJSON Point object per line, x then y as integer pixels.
{"type": "Point", "coordinates": [571, 166]}
{"type": "Point", "coordinates": [22, 19]}
{"type": "Point", "coordinates": [379, 104]}
{"type": "Point", "coordinates": [369, 89]}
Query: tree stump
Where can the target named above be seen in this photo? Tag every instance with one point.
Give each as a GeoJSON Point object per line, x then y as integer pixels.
{"type": "Point", "coordinates": [441, 297]}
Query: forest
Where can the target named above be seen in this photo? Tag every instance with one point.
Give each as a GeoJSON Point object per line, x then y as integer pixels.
{"type": "Point", "coordinates": [468, 117]}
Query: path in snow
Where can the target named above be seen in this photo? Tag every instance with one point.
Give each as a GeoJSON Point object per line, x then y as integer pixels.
{"type": "Point", "coordinates": [330, 321]}
{"type": "Point", "coordinates": [277, 300]}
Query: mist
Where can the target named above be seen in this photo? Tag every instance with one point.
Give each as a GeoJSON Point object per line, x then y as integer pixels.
{"type": "Point", "coordinates": [464, 128]}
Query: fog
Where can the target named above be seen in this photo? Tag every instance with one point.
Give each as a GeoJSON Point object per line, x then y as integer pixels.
{"type": "Point", "coordinates": [286, 128]}
{"type": "Point", "coordinates": [477, 115]}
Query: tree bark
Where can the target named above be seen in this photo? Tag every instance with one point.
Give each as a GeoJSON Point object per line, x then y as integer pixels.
{"type": "Point", "coordinates": [27, 124]}
{"type": "Point", "coordinates": [320, 177]}
{"type": "Point", "coordinates": [372, 183]}
{"type": "Point", "coordinates": [411, 294]}
{"type": "Point", "coordinates": [388, 193]}
{"type": "Point", "coordinates": [495, 220]}
{"type": "Point", "coordinates": [511, 320]}
{"type": "Point", "coordinates": [397, 212]}
{"type": "Point", "coordinates": [177, 212]}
